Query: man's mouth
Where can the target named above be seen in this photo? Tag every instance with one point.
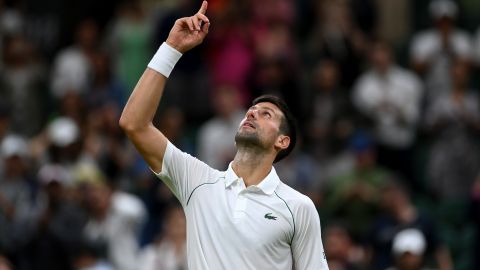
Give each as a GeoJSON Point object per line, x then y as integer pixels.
{"type": "Point", "coordinates": [248, 124]}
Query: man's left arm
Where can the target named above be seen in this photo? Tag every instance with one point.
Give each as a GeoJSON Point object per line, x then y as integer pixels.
{"type": "Point", "coordinates": [307, 246]}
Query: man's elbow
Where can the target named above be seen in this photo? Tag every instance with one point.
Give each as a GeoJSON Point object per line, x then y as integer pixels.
{"type": "Point", "coordinates": [127, 125]}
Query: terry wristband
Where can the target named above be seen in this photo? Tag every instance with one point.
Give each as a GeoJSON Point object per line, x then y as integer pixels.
{"type": "Point", "coordinates": [165, 59]}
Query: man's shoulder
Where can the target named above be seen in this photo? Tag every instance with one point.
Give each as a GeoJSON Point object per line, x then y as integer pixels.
{"type": "Point", "coordinates": [178, 157]}
{"type": "Point", "coordinates": [292, 197]}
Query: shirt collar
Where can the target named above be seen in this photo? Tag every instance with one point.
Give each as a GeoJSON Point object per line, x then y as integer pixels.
{"type": "Point", "coordinates": [267, 185]}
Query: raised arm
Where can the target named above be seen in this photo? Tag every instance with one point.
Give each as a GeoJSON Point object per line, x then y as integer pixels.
{"type": "Point", "coordinates": [137, 116]}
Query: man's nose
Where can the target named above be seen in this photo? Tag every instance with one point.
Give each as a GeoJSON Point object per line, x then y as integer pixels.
{"type": "Point", "coordinates": [251, 114]}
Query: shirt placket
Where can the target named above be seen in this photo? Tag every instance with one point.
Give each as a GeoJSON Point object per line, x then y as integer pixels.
{"type": "Point", "coordinates": [241, 200]}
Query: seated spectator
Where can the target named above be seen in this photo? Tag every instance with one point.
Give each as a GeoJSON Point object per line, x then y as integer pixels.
{"type": "Point", "coordinates": [104, 86]}
{"type": "Point", "coordinates": [60, 143]}
{"type": "Point", "coordinates": [353, 197]}
{"type": "Point", "coordinates": [172, 124]}
{"type": "Point", "coordinates": [400, 213]}
{"type": "Point", "coordinates": [57, 228]}
{"type": "Point", "coordinates": [300, 171]}
{"type": "Point", "coordinates": [408, 249]}
{"type": "Point", "coordinates": [129, 41]}
{"type": "Point", "coordinates": [432, 50]}
{"type": "Point", "coordinates": [330, 114]}
{"type": "Point", "coordinates": [453, 122]}
{"type": "Point", "coordinates": [104, 143]}
{"type": "Point", "coordinates": [72, 66]}
{"type": "Point", "coordinates": [22, 86]}
{"type": "Point", "coordinates": [72, 105]}
{"type": "Point", "coordinates": [214, 145]}
{"type": "Point", "coordinates": [342, 252]}
{"type": "Point", "coordinates": [390, 97]}
{"type": "Point", "coordinates": [336, 35]}
{"type": "Point", "coordinates": [114, 218]}
{"type": "Point", "coordinates": [169, 252]}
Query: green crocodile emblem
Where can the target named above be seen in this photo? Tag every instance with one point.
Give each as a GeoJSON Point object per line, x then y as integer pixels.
{"type": "Point", "coordinates": [269, 216]}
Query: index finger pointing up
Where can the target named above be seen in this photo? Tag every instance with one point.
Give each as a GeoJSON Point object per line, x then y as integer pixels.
{"type": "Point", "coordinates": [203, 8]}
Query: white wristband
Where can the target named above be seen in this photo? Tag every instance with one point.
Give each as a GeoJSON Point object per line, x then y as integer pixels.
{"type": "Point", "coordinates": [165, 59]}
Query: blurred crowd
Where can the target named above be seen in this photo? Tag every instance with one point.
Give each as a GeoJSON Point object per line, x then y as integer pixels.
{"type": "Point", "coordinates": [386, 94]}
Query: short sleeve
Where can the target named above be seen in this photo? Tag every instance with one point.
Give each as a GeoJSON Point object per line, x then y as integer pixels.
{"type": "Point", "coordinates": [307, 246]}
{"type": "Point", "coordinates": [182, 173]}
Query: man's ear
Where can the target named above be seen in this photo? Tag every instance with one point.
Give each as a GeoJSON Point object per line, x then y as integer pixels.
{"type": "Point", "coordinates": [283, 141]}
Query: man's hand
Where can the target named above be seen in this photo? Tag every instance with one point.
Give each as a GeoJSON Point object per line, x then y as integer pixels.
{"type": "Point", "coordinates": [188, 32]}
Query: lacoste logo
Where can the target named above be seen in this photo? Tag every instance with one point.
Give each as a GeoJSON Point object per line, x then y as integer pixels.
{"type": "Point", "coordinates": [269, 216]}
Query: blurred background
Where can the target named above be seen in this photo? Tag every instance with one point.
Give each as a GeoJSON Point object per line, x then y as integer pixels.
{"type": "Point", "coordinates": [386, 93]}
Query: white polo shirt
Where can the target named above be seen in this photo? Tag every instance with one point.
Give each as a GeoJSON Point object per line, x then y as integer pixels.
{"type": "Point", "coordinates": [267, 226]}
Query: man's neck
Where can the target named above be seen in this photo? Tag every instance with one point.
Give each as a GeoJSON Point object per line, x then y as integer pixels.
{"type": "Point", "coordinates": [252, 165]}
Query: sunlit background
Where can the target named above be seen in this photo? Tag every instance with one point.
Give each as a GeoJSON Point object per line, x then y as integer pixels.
{"type": "Point", "coordinates": [386, 94]}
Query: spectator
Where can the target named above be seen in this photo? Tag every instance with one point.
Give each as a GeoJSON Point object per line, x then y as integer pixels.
{"type": "Point", "coordinates": [72, 68]}
{"type": "Point", "coordinates": [171, 123]}
{"type": "Point", "coordinates": [114, 218]}
{"type": "Point", "coordinates": [12, 22]}
{"type": "Point", "coordinates": [169, 252]}
{"type": "Point", "coordinates": [105, 144]}
{"type": "Point", "coordinates": [336, 36]}
{"type": "Point", "coordinates": [390, 96]}
{"type": "Point", "coordinates": [22, 86]}
{"type": "Point", "coordinates": [232, 42]}
{"type": "Point", "coordinates": [104, 87]}
{"type": "Point", "coordinates": [453, 121]}
{"type": "Point", "coordinates": [400, 213]}
{"type": "Point", "coordinates": [342, 252]}
{"type": "Point", "coordinates": [72, 105]}
{"type": "Point", "coordinates": [58, 226]}
{"type": "Point", "coordinates": [277, 63]}
{"type": "Point", "coordinates": [60, 143]}
{"type": "Point", "coordinates": [353, 197]}
{"type": "Point", "coordinates": [215, 147]}
{"type": "Point", "coordinates": [432, 50]}
{"type": "Point", "coordinates": [129, 39]}
{"type": "Point", "coordinates": [408, 249]}
{"type": "Point", "coordinates": [300, 171]}
{"type": "Point", "coordinates": [330, 115]}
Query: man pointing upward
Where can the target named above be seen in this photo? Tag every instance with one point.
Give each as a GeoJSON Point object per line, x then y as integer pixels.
{"type": "Point", "coordinates": [241, 218]}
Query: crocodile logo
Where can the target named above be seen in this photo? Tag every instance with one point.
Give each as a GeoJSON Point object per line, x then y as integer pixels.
{"type": "Point", "coordinates": [269, 216]}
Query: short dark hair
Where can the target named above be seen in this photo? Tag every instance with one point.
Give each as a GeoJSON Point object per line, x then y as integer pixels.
{"type": "Point", "coordinates": [288, 124]}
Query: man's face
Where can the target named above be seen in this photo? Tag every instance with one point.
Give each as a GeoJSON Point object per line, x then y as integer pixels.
{"type": "Point", "coordinates": [261, 126]}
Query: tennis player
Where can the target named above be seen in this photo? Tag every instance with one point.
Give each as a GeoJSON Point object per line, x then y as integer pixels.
{"type": "Point", "coordinates": [241, 218]}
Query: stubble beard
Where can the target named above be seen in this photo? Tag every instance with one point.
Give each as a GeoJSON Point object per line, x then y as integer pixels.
{"type": "Point", "coordinates": [248, 140]}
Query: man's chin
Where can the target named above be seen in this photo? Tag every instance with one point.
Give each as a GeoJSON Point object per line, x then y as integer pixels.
{"type": "Point", "coordinates": [244, 137]}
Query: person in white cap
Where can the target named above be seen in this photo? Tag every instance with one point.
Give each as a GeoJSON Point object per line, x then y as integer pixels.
{"type": "Point", "coordinates": [432, 50]}
{"type": "Point", "coordinates": [408, 248]}
{"type": "Point", "coordinates": [241, 218]}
